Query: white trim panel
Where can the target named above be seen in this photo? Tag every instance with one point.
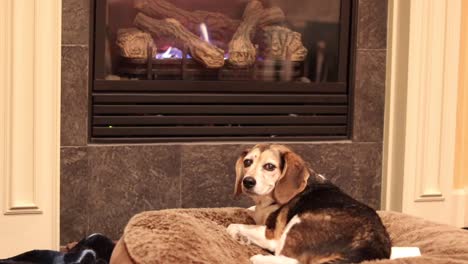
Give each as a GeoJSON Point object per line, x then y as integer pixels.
{"type": "Point", "coordinates": [421, 109]}
{"type": "Point", "coordinates": [30, 57]}
{"type": "Point", "coordinates": [21, 86]}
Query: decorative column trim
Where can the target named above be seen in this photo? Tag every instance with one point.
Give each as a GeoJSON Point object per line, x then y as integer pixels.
{"type": "Point", "coordinates": [19, 102]}
{"type": "Point", "coordinates": [30, 68]}
{"type": "Point", "coordinates": [421, 106]}
{"type": "Point", "coordinates": [432, 87]}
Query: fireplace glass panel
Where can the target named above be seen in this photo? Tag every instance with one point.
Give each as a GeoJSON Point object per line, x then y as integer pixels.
{"type": "Point", "coordinates": [224, 70]}
{"type": "Point", "coordinates": [223, 40]}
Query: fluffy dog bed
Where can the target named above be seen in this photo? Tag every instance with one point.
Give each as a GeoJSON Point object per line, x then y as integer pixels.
{"type": "Point", "coordinates": [199, 236]}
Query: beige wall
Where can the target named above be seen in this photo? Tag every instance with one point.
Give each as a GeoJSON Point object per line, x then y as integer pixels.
{"type": "Point", "coordinates": [461, 152]}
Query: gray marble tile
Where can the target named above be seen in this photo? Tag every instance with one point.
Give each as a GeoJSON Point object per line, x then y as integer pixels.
{"type": "Point", "coordinates": [369, 96]}
{"type": "Point", "coordinates": [126, 180]}
{"type": "Point", "coordinates": [74, 193]}
{"type": "Point", "coordinates": [74, 105]}
{"type": "Point", "coordinates": [372, 24]}
{"type": "Point", "coordinates": [208, 175]}
{"type": "Point", "coordinates": [103, 186]}
{"type": "Point", "coordinates": [208, 171]}
{"type": "Point", "coordinates": [75, 21]}
{"type": "Point", "coordinates": [354, 167]}
{"type": "Point", "coordinates": [368, 167]}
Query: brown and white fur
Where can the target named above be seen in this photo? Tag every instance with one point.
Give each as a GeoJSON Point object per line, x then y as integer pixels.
{"type": "Point", "coordinates": [300, 216]}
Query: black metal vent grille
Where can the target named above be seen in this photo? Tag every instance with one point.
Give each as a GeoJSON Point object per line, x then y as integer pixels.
{"type": "Point", "coordinates": [144, 112]}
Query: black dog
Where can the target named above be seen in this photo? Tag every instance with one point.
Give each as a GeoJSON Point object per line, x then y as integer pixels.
{"type": "Point", "coordinates": [95, 249]}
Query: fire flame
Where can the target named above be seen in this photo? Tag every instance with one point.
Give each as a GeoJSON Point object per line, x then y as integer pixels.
{"type": "Point", "coordinates": [175, 53]}
{"type": "Point", "coordinates": [170, 53]}
{"type": "Point", "coordinates": [204, 32]}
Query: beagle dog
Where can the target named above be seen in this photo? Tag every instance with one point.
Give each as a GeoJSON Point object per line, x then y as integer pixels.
{"type": "Point", "coordinates": [300, 216]}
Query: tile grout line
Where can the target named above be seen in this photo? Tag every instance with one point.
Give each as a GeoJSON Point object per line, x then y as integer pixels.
{"type": "Point", "coordinates": [371, 49]}
{"type": "Point", "coordinates": [88, 174]}
{"type": "Point", "coordinates": [75, 45]}
{"type": "Point", "coordinates": [180, 177]}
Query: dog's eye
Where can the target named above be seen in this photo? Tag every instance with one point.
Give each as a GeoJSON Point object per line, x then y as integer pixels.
{"type": "Point", "coordinates": [269, 167]}
{"type": "Point", "coordinates": [247, 163]}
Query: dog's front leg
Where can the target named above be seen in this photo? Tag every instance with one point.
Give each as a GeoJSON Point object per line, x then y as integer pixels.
{"type": "Point", "coordinates": [252, 234]}
{"type": "Point", "coordinates": [251, 211]}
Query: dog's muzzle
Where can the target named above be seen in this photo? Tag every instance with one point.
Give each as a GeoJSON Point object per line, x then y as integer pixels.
{"type": "Point", "coordinates": [249, 182]}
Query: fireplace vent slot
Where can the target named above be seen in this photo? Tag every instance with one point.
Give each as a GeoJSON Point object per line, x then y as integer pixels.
{"type": "Point", "coordinates": [140, 117]}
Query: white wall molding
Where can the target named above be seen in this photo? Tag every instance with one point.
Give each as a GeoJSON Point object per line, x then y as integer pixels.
{"type": "Point", "coordinates": [430, 68]}
{"type": "Point", "coordinates": [30, 57]}
{"type": "Point", "coordinates": [421, 108]}
{"type": "Point", "coordinates": [461, 152]}
{"type": "Point", "coordinates": [21, 189]}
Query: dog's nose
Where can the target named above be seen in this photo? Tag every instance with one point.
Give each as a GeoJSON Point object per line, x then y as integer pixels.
{"type": "Point", "coordinates": [249, 182]}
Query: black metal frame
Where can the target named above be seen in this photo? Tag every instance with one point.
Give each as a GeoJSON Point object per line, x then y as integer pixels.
{"type": "Point", "coordinates": [344, 88]}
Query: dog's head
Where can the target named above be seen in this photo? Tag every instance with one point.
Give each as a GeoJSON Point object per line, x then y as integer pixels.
{"type": "Point", "coordinates": [271, 170]}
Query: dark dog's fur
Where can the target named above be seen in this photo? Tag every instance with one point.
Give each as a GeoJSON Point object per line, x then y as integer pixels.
{"type": "Point", "coordinates": [334, 228]}
{"type": "Point", "coordinates": [94, 249]}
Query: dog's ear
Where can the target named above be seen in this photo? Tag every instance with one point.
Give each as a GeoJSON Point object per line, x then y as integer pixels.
{"type": "Point", "coordinates": [293, 179]}
{"type": "Point", "coordinates": [240, 172]}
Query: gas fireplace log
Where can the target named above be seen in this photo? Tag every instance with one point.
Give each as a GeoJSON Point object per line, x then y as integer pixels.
{"type": "Point", "coordinates": [133, 43]}
{"type": "Point", "coordinates": [271, 16]}
{"type": "Point", "coordinates": [283, 44]}
{"type": "Point", "coordinates": [220, 26]}
{"type": "Point", "coordinates": [202, 51]}
{"type": "Point", "coordinates": [242, 52]}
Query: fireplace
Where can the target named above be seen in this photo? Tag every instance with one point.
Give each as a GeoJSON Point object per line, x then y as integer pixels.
{"type": "Point", "coordinates": [206, 70]}
{"type": "Point", "coordinates": [103, 185]}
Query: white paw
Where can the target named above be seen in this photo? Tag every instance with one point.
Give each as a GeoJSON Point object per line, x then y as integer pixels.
{"type": "Point", "coordinates": [272, 259]}
{"type": "Point", "coordinates": [235, 231]}
{"type": "Point", "coordinates": [257, 259]}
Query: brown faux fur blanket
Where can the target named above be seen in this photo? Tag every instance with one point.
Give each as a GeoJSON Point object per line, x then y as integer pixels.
{"type": "Point", "coordinates": [199, 236]}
